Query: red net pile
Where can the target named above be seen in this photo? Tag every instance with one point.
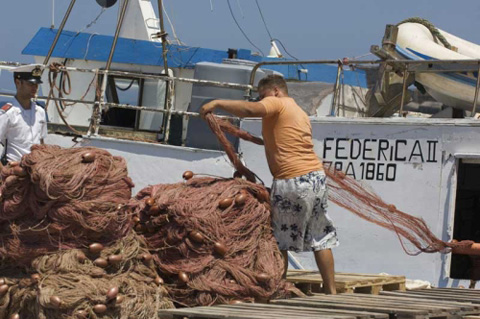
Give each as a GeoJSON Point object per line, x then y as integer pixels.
{"type": "Point", "coordinates": [213, 240]}
{"type": "Point", "coordinates": [61, 198]}
{"type": "Point", "coordinates": [67, 247]}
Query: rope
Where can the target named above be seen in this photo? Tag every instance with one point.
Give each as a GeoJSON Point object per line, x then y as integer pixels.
{"type": "Point", "coordinates": [64, 88]}
{"type": "Point", "coordinates": [435, 32]}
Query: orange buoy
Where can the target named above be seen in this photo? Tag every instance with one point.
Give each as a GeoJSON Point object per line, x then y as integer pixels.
{"type": "Point", "coordinates": [55, 301]}
{"type": "Point", "coordinates": [100, 262]}
{"type": "Point", "coordinates": [220, 249]}
{"type": "Point", "coordinates": [183, 277]}
{"type": "Point", "coordinates": [158, 281]}
{"type": "Point", "coordinates": [95, 248]}
{"type": "Point", "coordinates": [196, 236]}
{"type": "Point", "coordinates": [112, 293]}
{"type": "Point", "coordinates": [100, 308]}
{"type": "Point", "coordinates": [149, 201]}
{"type": "Point", "coordinates": [225, 203]}
{"type": "Point", "coordinates": [262, 277]}
{"type": "Point", "coordinates": [187, 175]}
{"type": "Point", "coordinates": [88, 157]}
{"type": "Point", "coordinates": [240, 199]}
{"type": "Point", "coordinates": [114, 259]}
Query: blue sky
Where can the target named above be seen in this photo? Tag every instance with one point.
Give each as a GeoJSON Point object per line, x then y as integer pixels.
{"type": "Point", "coordinates": [309, 29]}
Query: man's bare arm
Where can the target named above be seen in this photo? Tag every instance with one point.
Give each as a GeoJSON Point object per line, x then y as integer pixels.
{"type": "Point", "coordinates": [235, 107]}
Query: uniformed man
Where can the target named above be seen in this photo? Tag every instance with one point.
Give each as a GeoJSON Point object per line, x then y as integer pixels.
{"type": "Point", "coordinates": [22, 123]}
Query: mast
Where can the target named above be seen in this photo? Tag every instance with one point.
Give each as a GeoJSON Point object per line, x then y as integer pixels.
{"type": "Point", "coordinates": [163, 36]}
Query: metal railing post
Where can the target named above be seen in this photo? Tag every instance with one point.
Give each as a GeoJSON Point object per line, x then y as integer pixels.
{"type": "Point", "coordinates": [474, 109]}
{"type": "Point", "coordinates": [404, 87]}
{"type": "Point", "coordinates": [336, 89]}
{"type": "Point", "coordinates": [117, 33]}
{"type": "Point", "coordinates": [59, 32]}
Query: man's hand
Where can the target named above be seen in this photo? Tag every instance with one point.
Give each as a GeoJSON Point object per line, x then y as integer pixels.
{"type": "Point", "coordinates": [208, 108]}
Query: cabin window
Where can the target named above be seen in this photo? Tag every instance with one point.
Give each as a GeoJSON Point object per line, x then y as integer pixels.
{"type": "Point", "coordinates": [133, 91]}
{"type": "Point", "coordinates": [467, 218]}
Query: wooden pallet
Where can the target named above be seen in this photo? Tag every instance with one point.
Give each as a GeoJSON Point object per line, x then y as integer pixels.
{"type": "Point", "coordinates": [387, 305]}
{"type": "Point", "coordinates": [267, 311]}
{"type": "Point", "coordinates": [310, 281]}
{"type": "Point", "coordinates": [398, 307]}
{"type": "Point", "coordinates": [440, 294]}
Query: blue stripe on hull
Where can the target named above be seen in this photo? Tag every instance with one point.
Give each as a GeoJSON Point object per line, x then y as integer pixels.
{"type": "Point", "coordinates": [411, 54]}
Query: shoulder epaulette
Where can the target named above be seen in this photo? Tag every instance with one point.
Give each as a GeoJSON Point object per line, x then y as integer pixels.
{"type": "Point", "coordinates": [6, 107]}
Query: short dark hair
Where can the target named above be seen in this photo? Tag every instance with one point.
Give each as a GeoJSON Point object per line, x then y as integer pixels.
{"type": "Point", "coordinates": [271, 81]}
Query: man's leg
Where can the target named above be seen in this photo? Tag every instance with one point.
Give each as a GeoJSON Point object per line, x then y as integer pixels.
{"type": "Point", "coordinates": [325, 263]}
{"type": "Point", "coordinates": [285, 263]}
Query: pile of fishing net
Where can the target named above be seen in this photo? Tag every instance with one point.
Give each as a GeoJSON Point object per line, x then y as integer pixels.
{"type": "Point", "coordinates": [67, 247]}
{"type": "Point", "coordinates": [118, 281]}
{"type": "Point", "coordinates": [61, 198]}
{"type": "Point", "coordinates": [212, 239]}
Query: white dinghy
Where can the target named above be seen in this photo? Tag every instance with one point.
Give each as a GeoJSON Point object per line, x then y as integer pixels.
{"type": "Point", "coordinates": [417, 42]}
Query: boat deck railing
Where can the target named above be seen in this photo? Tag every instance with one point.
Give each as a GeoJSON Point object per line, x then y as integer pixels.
{"type": "Point", "coordinates": [402, 67]}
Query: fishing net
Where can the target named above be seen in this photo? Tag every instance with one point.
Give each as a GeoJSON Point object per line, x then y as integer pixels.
{"type": "Point", "coordinates": [119, 281]}
{"type": "Point", "coordinates": [213, 240]}
{"type": "Point", "coordinates": [60, 199]}
{"type": "Point", "coordinates": [67, 245]}
{"type": "Point", "coordinates": [356, 197]}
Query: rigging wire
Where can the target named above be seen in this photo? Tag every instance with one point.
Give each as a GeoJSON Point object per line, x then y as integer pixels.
{"type": "Point", "coordinates": [263, 19]}
{"type": "Point", "coordinates": [172, 27]}
{"type": "Point", "coordinates": [240, 8]}
{"type": "Point", "coordinates": [240, 28]}
{"type": "Point", "coordinates": [93, 21]}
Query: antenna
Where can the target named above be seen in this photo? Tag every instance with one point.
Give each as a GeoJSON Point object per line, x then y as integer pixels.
{"type": "Point", "coordinates": [53, 15]}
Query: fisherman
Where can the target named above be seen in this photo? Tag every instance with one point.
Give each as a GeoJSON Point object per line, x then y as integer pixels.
{"type": "Point", "coordinates": [299, 191]}
{"type": "Point", "coordinates": [22, 123]}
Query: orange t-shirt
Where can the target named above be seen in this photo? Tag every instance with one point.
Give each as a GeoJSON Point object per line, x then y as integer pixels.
{"type": "Point", "coordinates": [287, 134]}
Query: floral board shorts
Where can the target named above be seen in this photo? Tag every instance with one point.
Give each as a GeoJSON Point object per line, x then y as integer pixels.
{"type": "Point", "coordinates": [299, 216]}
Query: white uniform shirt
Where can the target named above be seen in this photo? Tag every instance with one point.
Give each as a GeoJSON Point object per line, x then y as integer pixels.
{"type": "Point", "coordinates": [22, 128]}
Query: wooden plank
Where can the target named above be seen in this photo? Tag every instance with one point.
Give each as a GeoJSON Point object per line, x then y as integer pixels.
{"type": "Point", "coordinates": [355, 299]}
{"type": "Point", "coordinates": [338, 305]}
{"type": "Point", "coordinates": [230, 313]}
{"type": "Point", "coordinates": [295, 310]}
{"type": "Point", "coordinates": [444, 296]}
{"type": "Point", "coordinates": [405, 299]}
{"type": "Point", "coordinates": [425, 304]}
{"type": "Point", "coordinates": [459, 290]}
{"type": "Point", "coordinates": [431, 296]}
